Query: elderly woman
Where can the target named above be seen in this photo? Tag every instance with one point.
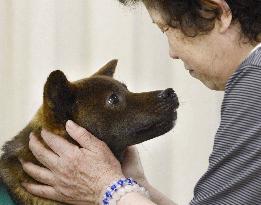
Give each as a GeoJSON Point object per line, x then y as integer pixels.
{"type": "Point", "coordinates": [219, 43]}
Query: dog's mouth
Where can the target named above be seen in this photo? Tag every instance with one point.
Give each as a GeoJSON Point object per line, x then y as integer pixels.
{"type": "Point", "coordinates": [153, 129]}
{"type": "Point", "coordinates": [146, 128]}
{"type": "Point", "coordinates": [150, 127]}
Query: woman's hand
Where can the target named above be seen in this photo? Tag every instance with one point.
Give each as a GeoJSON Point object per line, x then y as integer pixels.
{"type": "Point", "coordinates": [132, 167]}
{"type": "Point", "coordinates": [72, 175]}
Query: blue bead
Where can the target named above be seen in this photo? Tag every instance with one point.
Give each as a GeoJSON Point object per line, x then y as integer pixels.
{"type": "Point", "coordinates": [121, 182]}
{"type": "Point", "coordinates": [129, 181]}
{"type": "Point", "coordinates": [105, 201]}
{"type": "Point", "coordinates": [108, 194]}
{"type": "Point", "coordinates": [113, 187]}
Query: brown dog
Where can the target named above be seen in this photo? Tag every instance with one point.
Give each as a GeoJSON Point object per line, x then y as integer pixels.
{"type": "Point", "coordinates": [100, 104]}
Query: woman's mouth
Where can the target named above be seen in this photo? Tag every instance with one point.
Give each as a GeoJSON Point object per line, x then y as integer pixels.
{"type": "Point", "coordinates": [189, 69]}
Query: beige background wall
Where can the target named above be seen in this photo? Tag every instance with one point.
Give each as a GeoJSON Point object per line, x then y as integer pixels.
{"type": "Point", "coordinates": [38, 36]}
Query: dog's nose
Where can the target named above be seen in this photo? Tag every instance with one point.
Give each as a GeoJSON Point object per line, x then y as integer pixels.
{"type": "Point", "coordinates": [167, 94]}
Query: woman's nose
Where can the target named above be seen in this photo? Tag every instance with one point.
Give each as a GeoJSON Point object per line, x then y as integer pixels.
{"type": "Point", "coordinates": [172, 54]}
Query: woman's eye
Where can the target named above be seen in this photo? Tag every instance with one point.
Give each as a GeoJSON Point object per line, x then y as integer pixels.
{"type": "Point", "coordinates": [113, 99]}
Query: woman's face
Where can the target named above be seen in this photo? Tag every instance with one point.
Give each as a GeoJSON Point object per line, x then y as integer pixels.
{"type": "Point", "coordinates": [204, 56]}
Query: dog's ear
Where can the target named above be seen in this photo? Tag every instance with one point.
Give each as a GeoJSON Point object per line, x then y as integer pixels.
{"type": "Point", "coordinates": [59, 96]}
{"type": "Point", "coordinates": [108, 69]}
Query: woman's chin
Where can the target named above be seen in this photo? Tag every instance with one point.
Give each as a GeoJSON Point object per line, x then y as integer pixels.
{"type": "Point", "coordinates": [212, 85]}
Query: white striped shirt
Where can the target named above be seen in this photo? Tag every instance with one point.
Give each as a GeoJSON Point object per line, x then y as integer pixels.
{"type": "Point", "coordinates": [234, 173]}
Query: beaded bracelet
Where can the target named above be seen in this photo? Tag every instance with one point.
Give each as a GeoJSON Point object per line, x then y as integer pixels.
{"type": "Point", "coordinates": [120, 188]}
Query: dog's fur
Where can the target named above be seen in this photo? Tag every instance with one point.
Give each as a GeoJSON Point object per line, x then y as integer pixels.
{"type": "Point", "coordinates": [100, 104]}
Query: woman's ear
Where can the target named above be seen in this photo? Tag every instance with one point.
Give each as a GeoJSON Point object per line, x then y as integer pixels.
{"type": "Point", "coordinates": [226, 17]}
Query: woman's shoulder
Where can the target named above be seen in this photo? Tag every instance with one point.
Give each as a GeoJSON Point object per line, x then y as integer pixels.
{"type": "Point", "coordinates": [248, 73]}
{"type": "Point", "coordinates": [254, 59]}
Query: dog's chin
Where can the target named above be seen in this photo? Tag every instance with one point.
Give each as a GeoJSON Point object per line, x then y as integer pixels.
{"type": "Point", "coordinates": [154, 129]}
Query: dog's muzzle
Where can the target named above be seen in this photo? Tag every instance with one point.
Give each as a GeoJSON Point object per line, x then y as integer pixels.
{"type": "Point", "coordinates": [169, 95]}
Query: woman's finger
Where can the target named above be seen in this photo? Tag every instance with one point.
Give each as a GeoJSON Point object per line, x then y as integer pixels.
{"type": "Point", "coordinates": [44, 191]}
{"type": "Point", "coordinates": [41, 153]}
{"type": "Point", "coordinates": [81, 135]}
{"type": "Point", "coordinates": [40, 174]}
{"type": "Point", "coordinates": [58, 144]}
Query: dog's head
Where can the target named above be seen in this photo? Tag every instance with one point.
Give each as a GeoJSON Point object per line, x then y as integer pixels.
{"type": "Point", "coordinates": [106, 108]}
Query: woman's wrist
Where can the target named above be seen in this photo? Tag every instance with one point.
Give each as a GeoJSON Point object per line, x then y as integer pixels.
{"type": "Point", "coordinates": [144, 182]}
{"type": "Point", "coordinates": [107, 183]}
{"type": "Point", "coordinates": [134, 198]}
{"type": "Point", "coordinates": [119, 188]}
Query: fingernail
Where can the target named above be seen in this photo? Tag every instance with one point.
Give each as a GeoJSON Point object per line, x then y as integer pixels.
{"type": "Point", "coordinates": [70, 124]}
{"type": "Point", "coordinates": [24, 184]}
{"type": "Point", "coordinates": [21, 160]}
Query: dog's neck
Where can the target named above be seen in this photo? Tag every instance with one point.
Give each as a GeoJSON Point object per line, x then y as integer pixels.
{"type": "Point", "coordinates": [44, 120]}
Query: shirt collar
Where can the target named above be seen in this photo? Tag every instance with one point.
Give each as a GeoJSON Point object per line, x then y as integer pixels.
{"type": "Point", "coordinates": [254, 49]}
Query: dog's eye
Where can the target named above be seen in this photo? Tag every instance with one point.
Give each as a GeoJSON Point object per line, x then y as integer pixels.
{"type": "Point", "coordinates": [113, 99]}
